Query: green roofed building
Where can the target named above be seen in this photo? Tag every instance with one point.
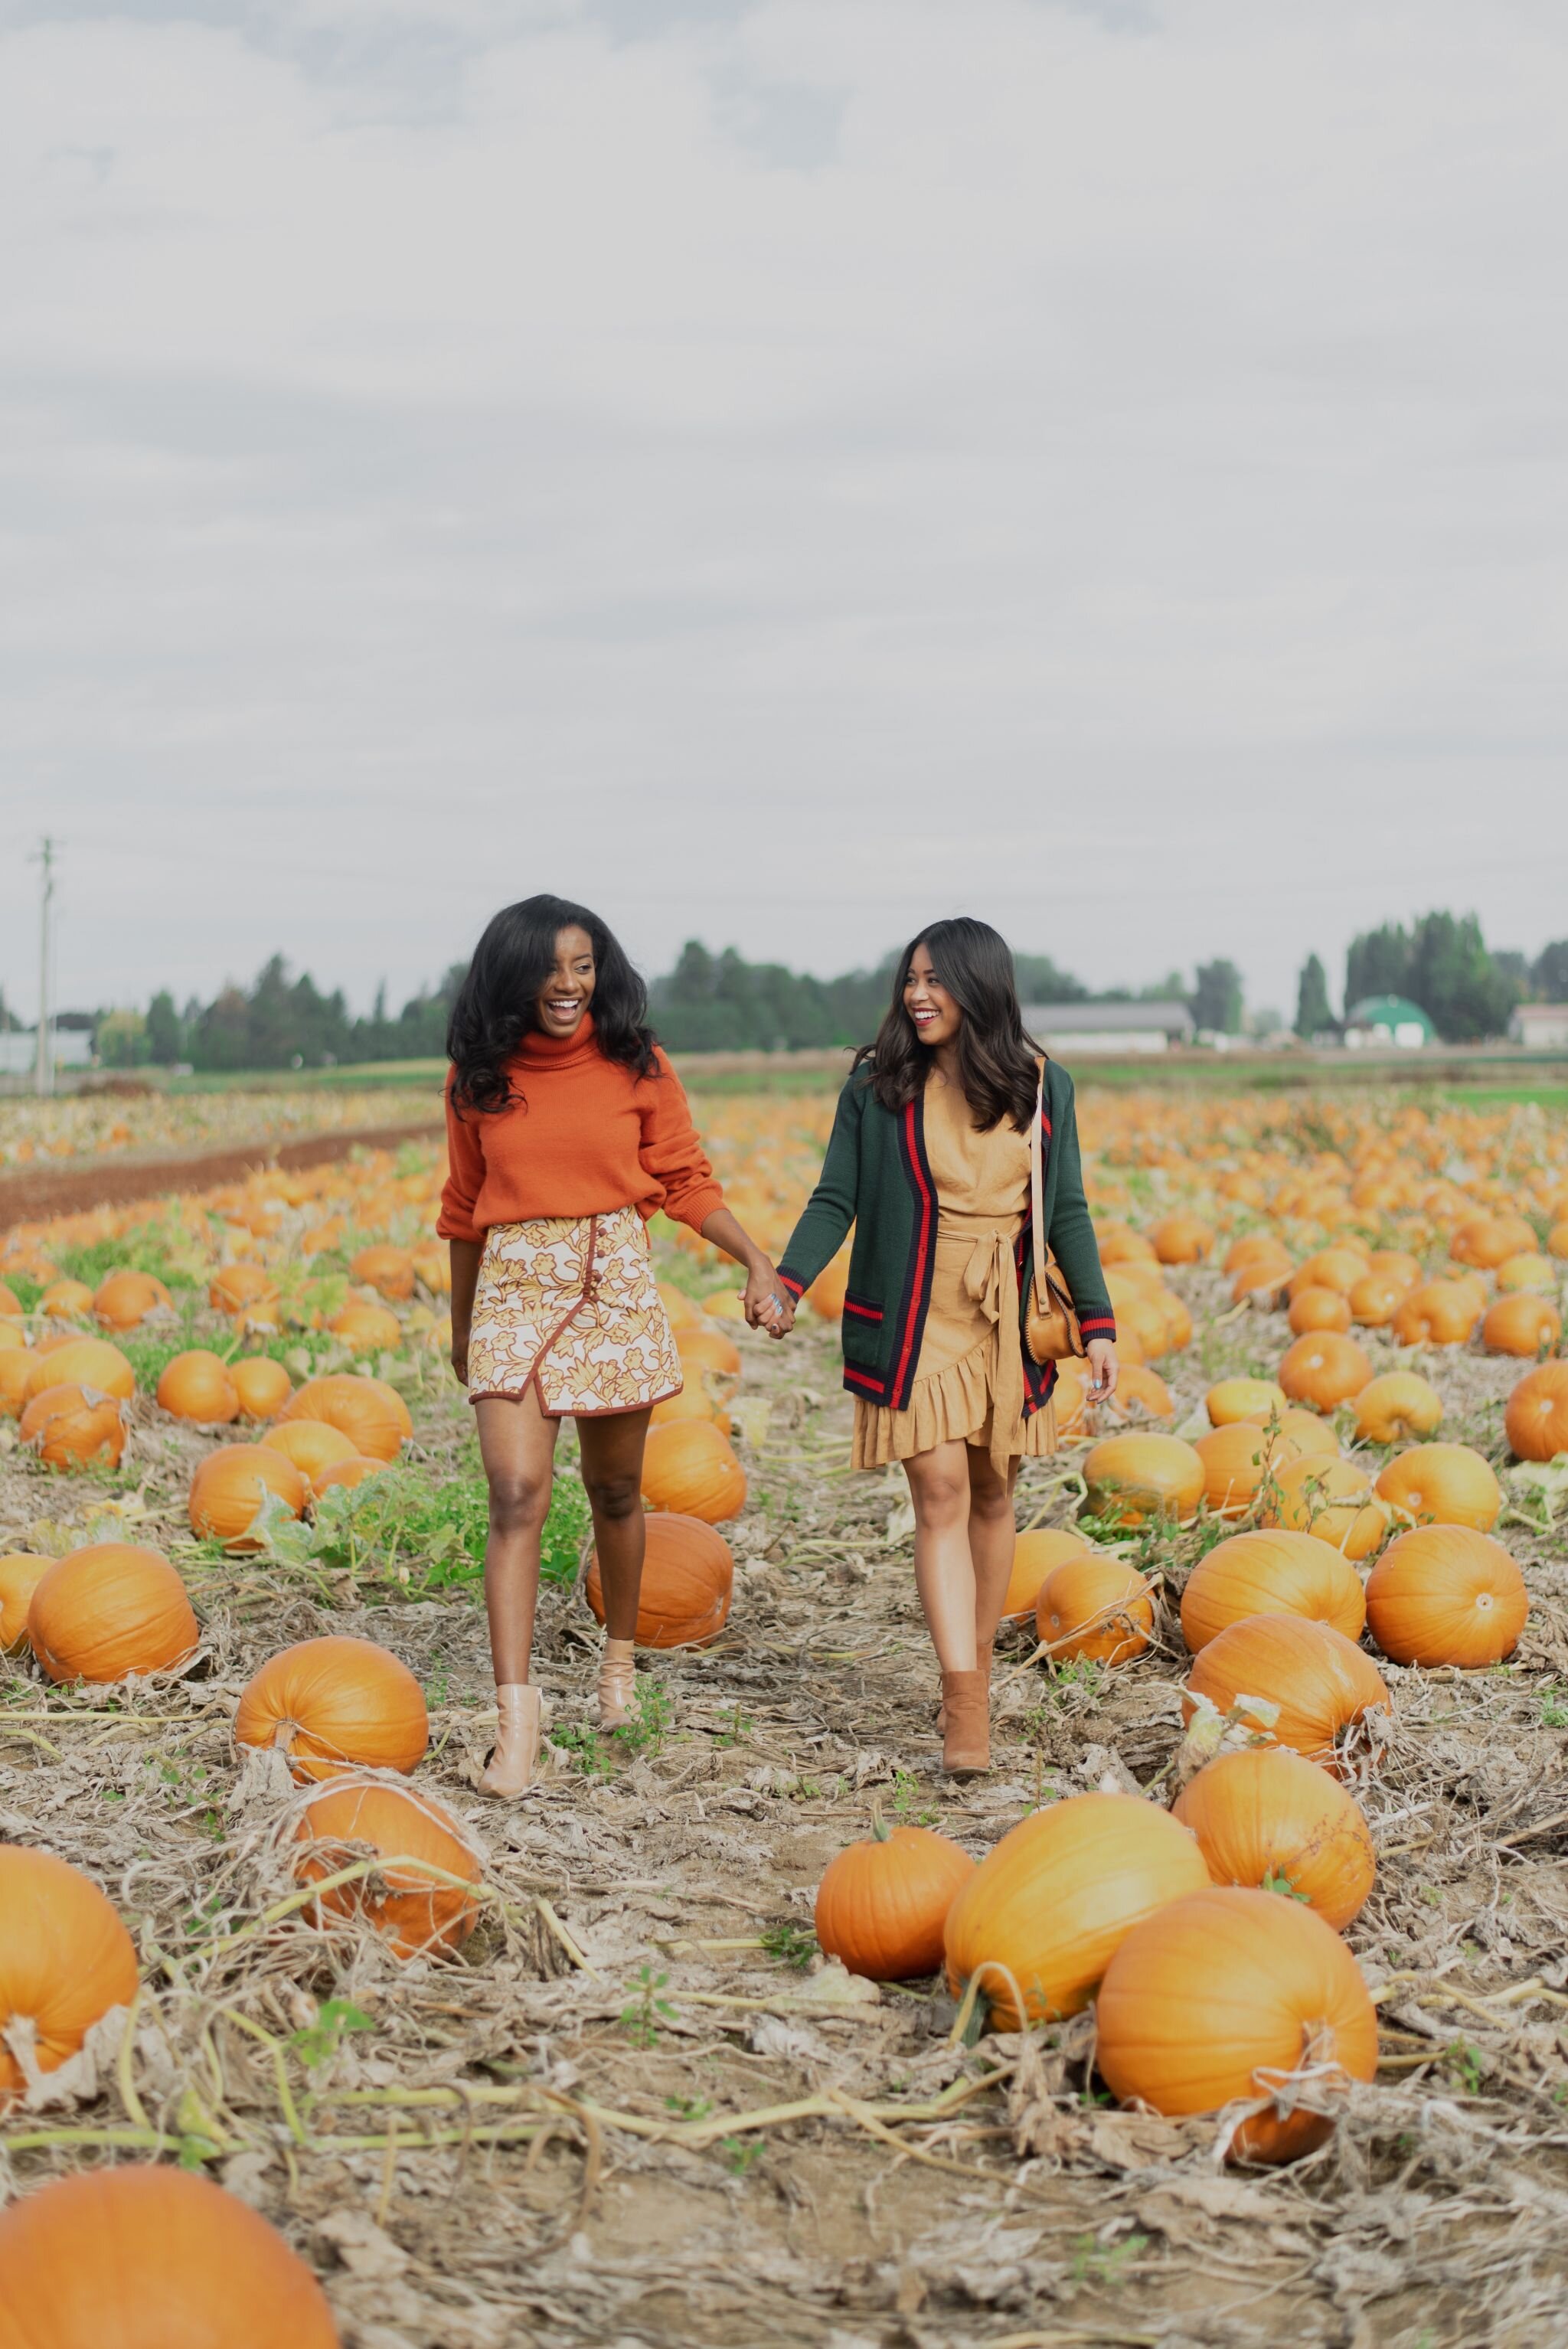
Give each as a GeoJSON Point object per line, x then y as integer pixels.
{"type": "Point", "coordinates": [1382, 1020]}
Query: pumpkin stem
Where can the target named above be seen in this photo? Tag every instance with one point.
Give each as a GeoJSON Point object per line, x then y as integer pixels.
{"type": "Point", "coordinates": [880, 1828]}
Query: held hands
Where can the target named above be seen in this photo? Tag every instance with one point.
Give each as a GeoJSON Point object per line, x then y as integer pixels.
{"type": "Point", "coordinates": [767, 1305]}
{"type": "Point", "coordinates": [1101, 1354]}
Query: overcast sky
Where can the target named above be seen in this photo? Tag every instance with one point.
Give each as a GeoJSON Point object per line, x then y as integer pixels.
{"type": "Point", "coordinates": [779, 471]}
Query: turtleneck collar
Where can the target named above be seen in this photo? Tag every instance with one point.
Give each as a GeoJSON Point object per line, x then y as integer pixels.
{"type": "Point", "coordinates": [537, 1050]}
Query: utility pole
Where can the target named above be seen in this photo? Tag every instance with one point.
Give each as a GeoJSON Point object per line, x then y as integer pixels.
{"type": "Point", "coordinates": [44, 1069]}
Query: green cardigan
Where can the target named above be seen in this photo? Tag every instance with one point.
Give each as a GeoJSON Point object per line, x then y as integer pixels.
{"type": "Point", "coordinates": [877, 1176]}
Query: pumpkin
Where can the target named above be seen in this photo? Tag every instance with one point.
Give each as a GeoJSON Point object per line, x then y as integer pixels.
{"type": "Point", "coordinates": [1120, 1246]}
{"type": "Point", "coordinates": [1261, 1275]}
{"type": "Point", "coordinates": [127, 1299]}
{"type": "Point", "coordinates": [1443, 1485]}
{"type": "Point", "coordinates": [1316, 1308]}
{"type": "Point", "coordinates": [689, 1468]}
{"type": "Point", "coordinates": [230, 1490]}
{"type": "Point", "coordinates": [1321, 1681]}
{"type": "Point", "coordinates": [1034, 1556]}
{"type": "Point", "coordinates": [882, 1906]}
{"type": "Point", "coordinates": [1525, 1325]}
{"type": "Point", "coordinates": [331, 1703]}
{"type": "Point", "coordinates": [1325, 1370]}
{"type": "Point", "coordinates": [1395, 1263]}
{"type": "Point", "coordinates": [1437, 1313]}
{"type": "Point", "coordinates": [1268, 1819]}
{"type": "Point", "coordinates": [1236, 1459]}
{"type": "Point", "coordinates": [1043, 1913]}
{"type": "Point", "coordinates": [366, 1328]}
{"type": "Point", "coordinates": [84, 1362]}
{"type": "Point", "coordinates": [10, 1303]}
{"type": "Point", "coordinates": [1334, 1267]}
{"type": "Point", "coordinates": [197, 1386]}
{"type": "Point", "coordinates": [65, 1960]}
{"type": "Point", "coordinates": [109, 1609]}
{"type": "Point", "coordinates": [712, 1355]}
{"type": "Point", "coordinates": [1182, 1239]}
{"type": "Point", "coordinates": [826, 1299]}
{"type": "Point", "coordinates": [69, 1428]}
{"type": "Point", "coordinates": [1222, 1997]}
{"type": "Point", "coordinates": [311, 1444]}
{"type": "Point", "coordinates": [679, 1310]}
{"type": "Point", "coordinates": [18, 1365]}
{"type": "Point", "coordinates": [415, 1911]}
{"type": "Point", "coordinates": [246, 1291]}
{"type": "Point", "coordinates": [263, 1386]}
{"type": "Point", "coordinates": [1445, 1594]}
{"type": "Point", "coordinates": [151, 2258]}
{"type": "Point", "coordinates": [20, 1575]}
{"type": "Point", "coordinates": [690, 1403]}
{"type": "Point", "coordinates": [1132, 1478]}
{"type": "Point", "coordinates": [1275, 1572]}
{"type": "Point", "coordinates": [1141, 1394]}
{"type": "Point", "coordinates": [1398, 1404]}
{"type": "Point", "coordinates": [688, 1577]}
{"type": "Point", "coordinates": [1094, 1608]}
{"type": "Point", "coordinates": [1536, 1419]}
{"type": "Point", "coordinates": [1375, 1299]}
{"type": "Point", "coordinates": [1305, 1432]}
{"type": "Point", "coordinates": [372, 1415]}
{"type": "Point", "coordinates": [1557, 1239]}
{"type": "Point", "coordinates": [348, 1473]}
{"type": "Point", "coordinates": [66, 1300]}
{"type": "Point", "coordinates": [1328, 1498]}
{"type": "Point", "coordinates": [1487, 1241]}
{"type": "Point", "coordinates": [388, 1270]}
{"type": "Point", "coordinates": [1526, 1271]}
{"type": "Point", "coordinates": [1234, 1399]}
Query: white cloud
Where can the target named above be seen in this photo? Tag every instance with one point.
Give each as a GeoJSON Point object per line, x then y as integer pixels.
{"type": "Point", "coordinates": [778, 471]}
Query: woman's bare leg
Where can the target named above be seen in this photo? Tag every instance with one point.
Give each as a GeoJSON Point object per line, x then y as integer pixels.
{"type": "Point", "coordinates": [943, 1565]}
{"type": "Point", "coordinates": [517, 1445]}
{"type": "Point", "coordinates": [613, 1476]}
{"type": "Point", "coordinates": [992, 1534]}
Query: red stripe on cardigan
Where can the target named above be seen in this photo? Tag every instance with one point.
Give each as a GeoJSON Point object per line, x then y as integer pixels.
{"type": "Point", "coordinates": [864, 1312]}
{"type": "Point", "coordinates": [922, 1247]}
{"type": "Point", "coordinates": [864, 1378]}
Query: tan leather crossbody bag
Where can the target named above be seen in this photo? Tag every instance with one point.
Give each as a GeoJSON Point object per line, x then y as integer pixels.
{"type": "Point", "coordinates": [1051, 1332]}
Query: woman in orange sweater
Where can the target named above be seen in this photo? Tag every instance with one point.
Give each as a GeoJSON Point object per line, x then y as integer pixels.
{"type": "Point", "coordinates": [566, 1129]}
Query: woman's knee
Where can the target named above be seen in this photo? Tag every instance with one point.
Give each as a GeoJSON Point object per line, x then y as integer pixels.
{"type": "Point", "coordinates": [989, 1499]}
{"type": "Point", "coordinates": [614, 1497]}
{"type": "Point", "coordinates": [519, 1501]}
{"type": "Point", "coordinates": [941, 1496]}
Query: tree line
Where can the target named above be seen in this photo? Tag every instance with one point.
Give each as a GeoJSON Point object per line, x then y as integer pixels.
{"type": "Point", "coordinates": [1441, 963]}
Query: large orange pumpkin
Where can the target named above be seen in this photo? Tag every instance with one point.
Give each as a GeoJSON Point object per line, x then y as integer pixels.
{"type": "Point", "coordinates": [1445, 1594]}
{"type": "Point", "coordinates": [151, 2258]}
{"type": "Point", "coordinates": [366, 1328]}
{"type": "Point", "coordinates": [689, 1575]}
{"type": "Point", "coordinates": [688, 1467]}
{"type": "Point", "coordinates": [1330, 1499]}
{"type": "Point", "coordinates": [1235, 1399]}
{"type": "Point", "coordinates": [1269, 1818]}
{"type": "Point", "coordinates": [692, 1402]}
{"type": "Point", "coordinates": [413, 1910]}
{"type": "Point", "coordinates": [246, 1291]}
{"type": "Point", "coordinates": [386, 1269]}
{"type": "Point", "coordinates": [230, 1490]}
{"type": "Point", "coordinates": [197, 1386]}
{"type": "Point", "coordinates": [1443, 1485]}
{"type": "Point", "coordinates": [126, 1298]}
{"type": "Point", "coordinates": [65, 1960]}
{"type": "Point", "coordinates": [1537, 1414]}
{"type": "Point", "coordinates": [348, 1473]}
{"type": "Point", "coordinates": [1528, 1272]}
{"type": "Point", "coordinates": [1044, 1912]}
{"type": "Point", "coordinates": [332, 1703]}
{"type": "Point", "coordinates": [109, 1609]}
{"type": "Point", "coordinates": [1321, 1681]}
{"type": "Point", "coordinates": [1096, 1609]}
{"type": "Point", "coordinates": [90, 1362]}
{"type": "Point", "coordinates": [20, 1575]}
{"type": "Point", "coordinates": [1398, 1406]}
{"type": "Point", "coordinates": [372, 1415]}
{"type": "Point", "coordinates": [1375, 1298]}
{"type": "Point", "coordinates": [1132, 1478]}
{"type": "Point", "coordinates": [1236, 1459]}
{"type": "Point", "coordinates": [882, 1906]}
{"type": "Point", "coordinates": [1335, 1267]}
{"type": "Point", "coordinates": [18, 1365]}
{"type": "Point", "coordinates": [262, 1385]}
{"type": "Point", "coordinates": [1035, 1554]}
{"type": "Point", "coordinates": [1182, 1239]}
{"type": "Point", "coordinates": [826, 1295]}
{"type": "Point", "coordinates": [70, 1429]}
{"type": "Point", "coordinates": [312, 1445]}
{"type": "Point", "coordinates": [1224, 1996]}
{"type": "Point", "coordinates": [1325, 1370]}
{"type": "Point", "coordinates": [1316, 1308]}
{"type": "Point", "coordinates": [1437, 1313]}
{"type": "Point", "coordinates": [1275, 1572]}
{"type": "Point", "coordinates": [66, 1300]}
{"type": "Point", "coordinates": [709, 1355]}
{"type": "Point", "coordinates": [1524, 1325]}
{"type": "Point", "coordinates": [1487, 1241]}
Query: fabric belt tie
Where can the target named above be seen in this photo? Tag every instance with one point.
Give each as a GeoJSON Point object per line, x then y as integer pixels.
{"type": "Point", "coordinates": [990, 1281]}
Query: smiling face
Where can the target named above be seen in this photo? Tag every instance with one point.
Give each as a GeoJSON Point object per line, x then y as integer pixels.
{"type": "Point", "coordinates": [936, 1016]}
{"type": "Point", "coordinates": [569, 989]}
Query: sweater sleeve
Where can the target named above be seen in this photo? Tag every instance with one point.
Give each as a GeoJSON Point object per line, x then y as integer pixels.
{"type": "Point", "coordinates": [672, 1154]}
{"type": "Point", "coordinates": [1072, 1239]}
{"type": "Point", "coordinates": [830, 1209]}
{"type": "Point", "coordinates": [466, 1157]}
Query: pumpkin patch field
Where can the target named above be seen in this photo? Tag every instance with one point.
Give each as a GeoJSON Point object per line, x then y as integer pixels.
{"type": "Point", "coordinates": [1230, 2008]}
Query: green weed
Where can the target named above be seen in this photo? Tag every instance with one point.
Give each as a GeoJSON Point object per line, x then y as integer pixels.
{"type": "Point", "coordinates": [319, 2041]}
{"type": "Point", "coordinates": [791, 1944]}
{"type": "Point", "coordinates": [641, 2014]}
{"type": "Point", "coordinates": [1105, 2263]}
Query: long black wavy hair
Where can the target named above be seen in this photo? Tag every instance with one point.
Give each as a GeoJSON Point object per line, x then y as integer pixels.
{"type": "Point", "coordinates": [996, 1056]}
{"type": "Point", "coordinates": [496, 1004]}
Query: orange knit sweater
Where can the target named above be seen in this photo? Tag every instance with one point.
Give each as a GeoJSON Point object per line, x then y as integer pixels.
{"type": "Point", "coordinates": [587, 1135]}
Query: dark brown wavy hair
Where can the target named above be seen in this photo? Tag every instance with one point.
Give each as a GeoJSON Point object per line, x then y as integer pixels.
{"type": "Point", "coordinates": [496, 1005]}
{"type": "Point", "coordinates": [996, 1056]}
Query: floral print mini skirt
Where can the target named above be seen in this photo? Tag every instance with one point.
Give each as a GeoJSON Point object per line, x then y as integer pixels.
{"type": "Point", "coordinates": [568, 1304]}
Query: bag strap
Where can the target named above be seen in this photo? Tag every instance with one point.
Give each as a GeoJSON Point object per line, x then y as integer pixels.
{"type": "Point", "coordinates": [1037, 1189]}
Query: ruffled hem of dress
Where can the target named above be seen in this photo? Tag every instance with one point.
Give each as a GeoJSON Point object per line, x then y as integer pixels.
{"type": "Point", "coordinates": [953, 1406]}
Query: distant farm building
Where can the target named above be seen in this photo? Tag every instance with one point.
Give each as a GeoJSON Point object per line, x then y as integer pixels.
{"type": "Point", "coordinates": [72, 1047]}
{"type": "Point", "coordinates": [1543, 1026]}
{"type": "Point", "coordinates": [1081, 1027]}
{"type": "Point", "coordinates": [1382, 1020]}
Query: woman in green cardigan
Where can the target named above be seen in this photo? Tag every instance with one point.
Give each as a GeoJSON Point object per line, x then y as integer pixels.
{"type": "Point", "coordinates": [929, 1159]}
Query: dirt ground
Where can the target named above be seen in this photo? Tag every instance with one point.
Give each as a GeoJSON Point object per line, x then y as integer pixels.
{"type": "Point", "coordinates": [635, 2111]}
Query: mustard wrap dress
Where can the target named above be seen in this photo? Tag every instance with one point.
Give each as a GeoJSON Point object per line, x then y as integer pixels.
{"type": "Point", "coordinates": [969, 1380]}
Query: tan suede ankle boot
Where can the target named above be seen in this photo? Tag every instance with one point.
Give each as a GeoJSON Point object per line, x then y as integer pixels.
{"type": "Point", "coordinates": [509, 1771]}
{"type": "Point", "coordinates": [966, 1740]}
{"type": "Point", "coordinates": [618, 1682]}
{"type": "Point", "coordinates": [984, 1650]}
